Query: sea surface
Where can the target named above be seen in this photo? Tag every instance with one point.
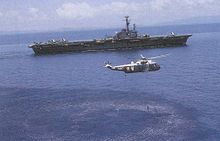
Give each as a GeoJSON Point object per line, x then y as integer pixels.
{"type": "Point", "coordinates": [72, 97]}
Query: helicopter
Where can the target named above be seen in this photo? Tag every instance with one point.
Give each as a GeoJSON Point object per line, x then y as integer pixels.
{"type": "Point", "coordinates": [142, 65]}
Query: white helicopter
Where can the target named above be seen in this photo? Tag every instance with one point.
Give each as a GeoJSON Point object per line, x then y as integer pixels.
{"type": "Point", "coordinates": [142, 65]}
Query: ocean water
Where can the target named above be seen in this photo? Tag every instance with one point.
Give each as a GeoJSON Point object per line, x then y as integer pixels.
{"type": "Point", "coordinates": [71, 96]}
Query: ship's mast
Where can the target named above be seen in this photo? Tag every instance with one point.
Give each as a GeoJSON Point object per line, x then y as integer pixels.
{"type": "Point", "coordinates": [127, 23]}
{"type": "Point", "coordinates": [134, 27]}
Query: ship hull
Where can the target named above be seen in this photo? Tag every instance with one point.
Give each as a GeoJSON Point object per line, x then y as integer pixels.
{"type": "Point", "coordinates": [103, 45]}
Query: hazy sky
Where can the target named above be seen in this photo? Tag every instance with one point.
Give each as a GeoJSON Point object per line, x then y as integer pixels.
{"type": "Point", "coordinates": [27, 15]}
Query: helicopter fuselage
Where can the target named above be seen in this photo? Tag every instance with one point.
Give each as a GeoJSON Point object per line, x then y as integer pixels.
{"type": "Point", "coordinates": [139, 66]}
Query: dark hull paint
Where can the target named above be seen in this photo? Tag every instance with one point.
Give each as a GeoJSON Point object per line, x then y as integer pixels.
{"type": "Point", "coordinates": [102, 45]}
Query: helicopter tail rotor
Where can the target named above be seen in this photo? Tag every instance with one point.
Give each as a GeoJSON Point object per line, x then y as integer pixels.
{"type": "Point", "coordinates": [108, 65]}
{"type": "Point", "coordinates": [107, 62]}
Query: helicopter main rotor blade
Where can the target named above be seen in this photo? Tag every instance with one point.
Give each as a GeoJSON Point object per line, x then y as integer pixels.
{"type": "Point", "coordinates": [157, 57]}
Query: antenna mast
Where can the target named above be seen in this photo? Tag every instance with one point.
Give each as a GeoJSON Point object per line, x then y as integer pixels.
{"type": "Point", "coordinates": [127, 23]}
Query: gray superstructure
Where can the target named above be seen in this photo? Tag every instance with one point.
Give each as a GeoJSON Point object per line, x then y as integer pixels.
{"type": "Point", "coordinates": [125, 39]}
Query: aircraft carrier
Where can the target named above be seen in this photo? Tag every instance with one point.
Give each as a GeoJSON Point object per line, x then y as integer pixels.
{"type": "Point", "coordinates": [125, 39]}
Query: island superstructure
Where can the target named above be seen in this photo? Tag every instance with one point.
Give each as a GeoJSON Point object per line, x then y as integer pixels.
{"type": "Point", "coordinates": [125, 39]}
